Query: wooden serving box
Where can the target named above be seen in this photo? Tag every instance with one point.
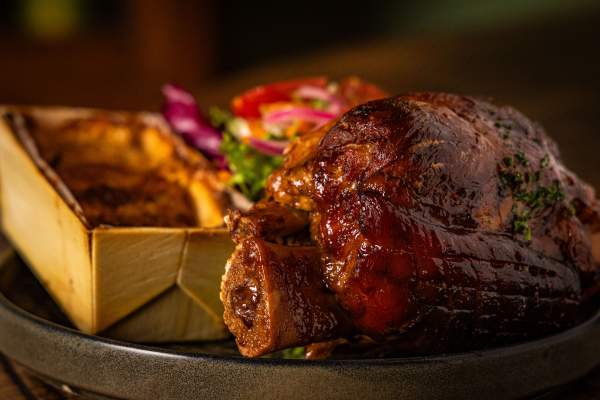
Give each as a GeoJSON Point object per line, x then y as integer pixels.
{"type": "Point", "coordinates": [141, 283]}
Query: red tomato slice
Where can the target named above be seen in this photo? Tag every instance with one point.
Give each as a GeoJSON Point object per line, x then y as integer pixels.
{"type": "Point", "coordinates": [247, 104]}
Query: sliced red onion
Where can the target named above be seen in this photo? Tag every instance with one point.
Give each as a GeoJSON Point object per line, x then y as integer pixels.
{"type": "Point", "coordinates": [335, 104]}
{"type": "Point", "coordinates": [302, 113]}
{"type": "Point", "coordinates": [183, 115]}
{"type": "Point", "coordinates": [269, 147]}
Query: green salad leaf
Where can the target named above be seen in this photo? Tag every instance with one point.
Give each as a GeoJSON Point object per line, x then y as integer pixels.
{"type": "Point", "coordinates": [249, 168]}
{"type": "Point", "coordinates": [294, 353]}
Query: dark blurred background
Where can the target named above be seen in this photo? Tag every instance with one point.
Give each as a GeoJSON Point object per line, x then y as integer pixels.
{"type": "Point", "coordinates": [543, 56]}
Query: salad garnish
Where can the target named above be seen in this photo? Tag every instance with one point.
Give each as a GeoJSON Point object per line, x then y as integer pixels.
{"type": "Point", "coordinates": [247, 141]}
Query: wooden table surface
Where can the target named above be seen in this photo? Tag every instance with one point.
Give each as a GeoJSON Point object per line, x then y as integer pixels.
{"type": "Point", "coordinates": [549, 72]}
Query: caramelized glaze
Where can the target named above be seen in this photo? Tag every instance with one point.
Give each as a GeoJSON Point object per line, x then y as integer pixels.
{"type": "Point", "coordinates": [443, 223]}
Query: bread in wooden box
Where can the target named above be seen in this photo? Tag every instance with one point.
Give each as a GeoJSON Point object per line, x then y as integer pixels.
{"type": "Point", "coordinates": [118, 218]}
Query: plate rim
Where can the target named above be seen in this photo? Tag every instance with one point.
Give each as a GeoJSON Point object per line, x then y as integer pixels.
{"type": "Point", "coordinates": [47, 325]}
{"type": "Point", "coordinates": [109, 368]}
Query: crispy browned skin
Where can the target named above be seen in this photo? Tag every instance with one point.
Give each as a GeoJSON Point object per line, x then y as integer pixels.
{"type": "Point", "coordinates": [443, 223]}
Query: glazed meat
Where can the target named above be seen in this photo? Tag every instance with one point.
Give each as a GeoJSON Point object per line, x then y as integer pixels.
{"type": "Point", "coordinates": [426, 222]}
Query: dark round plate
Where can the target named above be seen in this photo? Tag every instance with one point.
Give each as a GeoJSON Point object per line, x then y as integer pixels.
{"type": "Point", "coordinates": [40, 340]}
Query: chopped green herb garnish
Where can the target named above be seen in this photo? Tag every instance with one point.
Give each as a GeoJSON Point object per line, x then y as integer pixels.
{"type": "Point", "coordinates": [531, 197]}
{"type": "Point", "coordinates": [521, 222]}
{"type": "Point", "coordinates": [545, 161]}
{"type": "Point", "coordinates": [555, 192]}
{"type": "Point", "coordinates": [511, 180]}
{"type": "Point", "coordinates": [520, 157]}
{"type": "Point", "coordinates": [541, 196]}
{"type": "Point", "coordinates": [521, 225]}
{"type": "Point", "coordinates": [571, 208]}
{"type": "Point", "coordinates": [505, 127]}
